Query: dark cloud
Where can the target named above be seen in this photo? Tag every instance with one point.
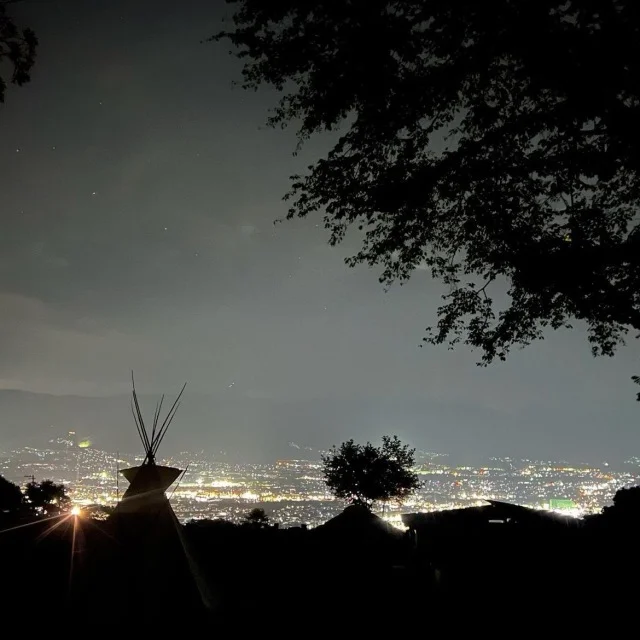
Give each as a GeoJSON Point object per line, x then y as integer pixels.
{"type": "Point", "coordinates": [139, 194]}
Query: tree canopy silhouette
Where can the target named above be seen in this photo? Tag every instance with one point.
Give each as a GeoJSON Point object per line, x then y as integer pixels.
{"type": "Point", "coordinates": [18, 48]}
{"type": "Point", "coordinates": [257, 518]}
{"type": "Point", "coordinates": [47, 496]}
{"type": "Point", "coordinates": [10, 496]}
{"type": "Point", "coordinates": [626, 506]}
{"type": "Point", "coordinates": [364, 474]}
{"type": "Point", "coordinates": [496, 148]}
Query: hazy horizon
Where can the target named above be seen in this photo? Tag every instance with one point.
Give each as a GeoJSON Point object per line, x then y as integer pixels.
{"type": "Point", "coordinates": [259, 429]}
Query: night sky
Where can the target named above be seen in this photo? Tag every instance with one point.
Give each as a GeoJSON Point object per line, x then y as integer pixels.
{"type": "Point", "coordinates": [138, 194]}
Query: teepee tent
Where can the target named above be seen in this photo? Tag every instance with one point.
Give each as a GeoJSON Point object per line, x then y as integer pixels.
{"type": "Point", "coordinates": [151, 548]}
{"type": "Point", "coordinates": [149, 482]}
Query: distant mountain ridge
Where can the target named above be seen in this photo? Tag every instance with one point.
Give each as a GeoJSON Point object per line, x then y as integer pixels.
{"type": "Point", "coordinates": [260, 429]}
{"type": "Point", "coordinates": [257, 429]}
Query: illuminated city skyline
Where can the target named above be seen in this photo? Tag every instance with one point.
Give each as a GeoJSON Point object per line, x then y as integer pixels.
{"type": "Point", "coordinates": [292, 490]}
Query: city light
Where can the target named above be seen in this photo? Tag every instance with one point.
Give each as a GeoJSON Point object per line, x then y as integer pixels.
{"type": "Point", "coordinates": [293, 491]}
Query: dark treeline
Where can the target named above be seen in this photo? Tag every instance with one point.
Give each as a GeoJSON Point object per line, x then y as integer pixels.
{"type": "Point", "coordinates": [355, 569]}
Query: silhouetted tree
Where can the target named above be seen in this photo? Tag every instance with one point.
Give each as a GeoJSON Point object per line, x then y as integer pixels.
{"type": "Point", "coordinates": [215, 524]}
{"type": "Point", "coordinates": [17, 47]}
{"type": "Point", "coordinates": [364, 474]}
{"type": "Point", "coordinates": [257, 518]}
{"type": "Point", "coordinates": [494, 147]}
{"type": "Point", "coordinates": [10, 496]}
{"type": "Point", "coordinates": [99, 511]}
{"type": "Point", "coordinates": [626, 506]}
{"type": "Point", "coordinates": [47, 496]}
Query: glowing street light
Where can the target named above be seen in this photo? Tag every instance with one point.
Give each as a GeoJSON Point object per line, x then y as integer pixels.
{"type": "Point", "coordinates": [76, 511]}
